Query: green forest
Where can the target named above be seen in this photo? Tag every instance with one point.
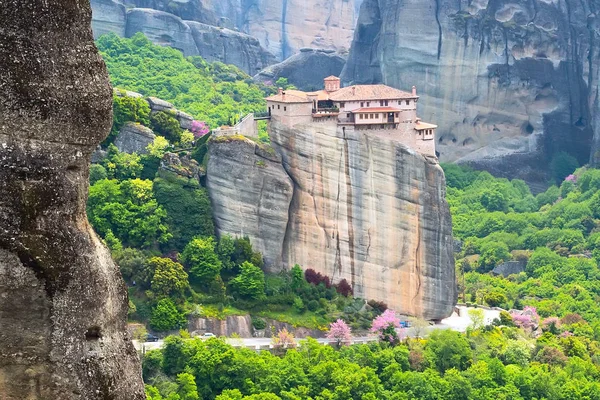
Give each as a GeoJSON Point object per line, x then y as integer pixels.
{"type": "Point", "coordinates": [159, 226]}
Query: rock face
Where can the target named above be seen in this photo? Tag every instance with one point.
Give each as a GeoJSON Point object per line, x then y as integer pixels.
{"type": "Point", "coordinates": [510, 83]}
{"type": "Point", "coordinates": [250, 194]}
{"type": "Point", "coordinates": [230, 47]}
{"type": "Point", "coordinates": [64, 305]}
{"type": "Point", "coordinates": [192, 38]}
{"type": "Point", "coordinates": [134, 138]}
{"type": "Point", "coordinates": [283, 27]}
{"type": "Point", "coordinates": [364, 209]}
{"type": "Point", "coordinates": [305, 70]}
{"type": "Point", "coordinates": [242, 325]}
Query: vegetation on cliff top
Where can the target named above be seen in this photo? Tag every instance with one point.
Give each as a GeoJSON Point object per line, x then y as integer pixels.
{"type": "Point", "coordinates": [211, 92]}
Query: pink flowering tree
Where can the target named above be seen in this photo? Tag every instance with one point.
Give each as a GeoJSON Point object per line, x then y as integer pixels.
{"type": "Point", "coordinates": [385, 327]}
{"type": "Point", "coordinates": [284, 339]}
{"type": "Point", "coordinates": [571, 178]}
{"type": "Point", "coordinates": [551, 324]}
{"type": "Point", "coordinates": [526, 319]}
{"type": "Point", "coordinates": [340, 332]}
{"type": "Point", "coordinates": [199, 129]}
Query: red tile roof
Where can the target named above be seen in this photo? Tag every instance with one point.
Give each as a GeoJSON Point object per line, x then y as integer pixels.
{"type": "Point", "coordinates": [376, 109]}
{"type": "Point", "coordinates": [332, 78]}
{"type": "Point", "coordinates": [370, 92]}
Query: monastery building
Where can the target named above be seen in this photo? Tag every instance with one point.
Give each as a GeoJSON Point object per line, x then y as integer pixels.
{"type": "Point", "coordinates": [377, 110]}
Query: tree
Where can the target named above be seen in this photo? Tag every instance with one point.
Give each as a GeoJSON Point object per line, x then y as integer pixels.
{"type": "Point", "coordinates": [284, 339]}
{"type": "Point", "coordinates": [187, 389]}
{"type": "Point", "coordinates": [340, 332]}
{"type": "Point", "coordinates": [166, 316]}
{"type": "Point", "coordinates": [200, 257]}
{"type": "Point", "coordinates": [119, 165]}
{"type": "Point", "coordinates": [127, 109]}
{"type": "Point", "coordinates": [385, 326]}
{"type": "Point", "coordinates": [169, 280]}
{"type": "Point", "coordinates": [225, 250]}
{"type": "Point", "coordinates": [250, 283]}
{"type": "Point", "coordinates": [158, 147]}
{"type": "Point", "coordinates": [477, 318]}
{"type": "Point", "coordinates": [562, 165]}
{"type": "Point", "coordinates": [297, 277]}
{"type": "Point", "coordinates": [448, 349]}
{"type": "Point", "coordinates": [344, 288]}
{"type": "Point", "coordinates": [165, 124]}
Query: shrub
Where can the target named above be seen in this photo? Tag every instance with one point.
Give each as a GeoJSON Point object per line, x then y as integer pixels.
{"type": "Point", "coordinates": [165, 124]}
{"type": "Point", "coordinates": [165, 316]}
{"type": "Point", "coordinates": [313, 305]}
{"type": "Point", "coordinates": [316, 278]}
{"type": "Point", "coordinates": [258, 323]}
{"type": "Point", "coordinates": [299, 305]}
{"type": "Point", "coordinates": [379, 306]}
{"type": "Point", "coordinates": [495, 299]}
{"type": "Point", "coordinates": [344, 288]}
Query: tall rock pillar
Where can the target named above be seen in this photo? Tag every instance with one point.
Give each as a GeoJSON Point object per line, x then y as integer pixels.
{"type": "Point", "coordinates": [63, 304]}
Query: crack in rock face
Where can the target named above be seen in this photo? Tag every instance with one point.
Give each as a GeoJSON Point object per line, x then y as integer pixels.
{"type": "Point", "coordinates": [63, 303]}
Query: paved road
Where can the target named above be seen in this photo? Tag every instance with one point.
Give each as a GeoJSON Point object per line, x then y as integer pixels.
{"type": "Point", "coordinates": [458, 322]}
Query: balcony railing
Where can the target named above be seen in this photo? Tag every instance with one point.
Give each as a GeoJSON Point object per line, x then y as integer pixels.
{"type": "Point", "coordinates": [329, 110]}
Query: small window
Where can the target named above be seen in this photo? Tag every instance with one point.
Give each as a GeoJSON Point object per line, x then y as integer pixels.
{"type": "Point", "coordinates": [376, 115]}
{"type": "Point", "coordinates": [361, 116]}
{"type": "Point", "coordinates": [342, 105]}
{"type": "Point", "coordinates": [284, 108]}
{"type": "Point", "coordinates": [371, 116]}
{"type": "Point", "coordinates": [386, 103]}
{"type": "Point", "coordinates": [278, 107]}
{"type": "Point", "coordinates": [381, 103]}
{"type": "Point", "coordinates": [407, 102]}
{"type": "Point", "coordinates": [397, 115]}
{"type": "Point", "coordinates": [368, 104]}
{"type": "Point", "coordinates": [362, 103]}
{"type": "Point", "coordinates": [399, 102]}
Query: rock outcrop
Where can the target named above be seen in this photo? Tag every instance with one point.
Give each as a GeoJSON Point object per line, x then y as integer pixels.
{"type": "Point", "coordinates": [190, 37]}
{"type": "Point", "coordinates": [250, 194]}
{"type": "Point", "coordinates": [241, 325]}
{"type": "Point", "coordinates": [282, 27]}
{"type": "Point", "coordinates": [510, 83]}
{"type": "Point", "coordinates": [363, 208]}
{"type": "Point", "coordinates": [134, 138]}
{"type": "Point", "coordinates": [63, 306]}
{"type": "Point", "coordinates": [305, 70]}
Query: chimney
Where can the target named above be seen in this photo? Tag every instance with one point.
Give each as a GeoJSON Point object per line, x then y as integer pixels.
{"type": "Point", "coordinates": [280, 90]}
{"type": "Point", "coordinates": [353, 90]}
{"type": "Point", "coordinates": [414, 91]}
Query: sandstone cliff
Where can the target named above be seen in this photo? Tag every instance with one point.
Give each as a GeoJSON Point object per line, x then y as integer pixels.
{"type": "Point", "coordinates": [283, 27]}
{"type": "Point", "coordinates": [363, 209]}
{"type": "Point", "coordinates": [305, 70]}
{"type": "Point", "coordinates": [191, 37]}
{"type": "Point", "coordinates": [510, 83]}
{"type": "Point", "coordinates": [63, 306]}
{"type": "Point", "coordinates": [251, 194]}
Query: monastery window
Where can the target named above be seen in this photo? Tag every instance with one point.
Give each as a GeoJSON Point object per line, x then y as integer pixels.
{"type": "Point", "coordinates": [278, 107]}
{"type": "Point", "coordinates": [396, 115]}
{"type": "Point", "coordinates": [386, 103]}
{"type": "Point", "coordinates": [342, 105]}
{"type": "Point", "coordinates": [371, 116]}
{"type": "Point", "coordinates": [376, 115]}
{"type": "Point", "coordinates": [361, 116]}
{"type": "Point", "coordinates": [362, 103]}
{"type": "Point", "coordinates": [380, 103]}
{"type": "Point", "coordinates": [284, 108]}
{"type": "Point", "coordinates": [368, 104]}
{"type": "Point", "coordinates": [407, 102]}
